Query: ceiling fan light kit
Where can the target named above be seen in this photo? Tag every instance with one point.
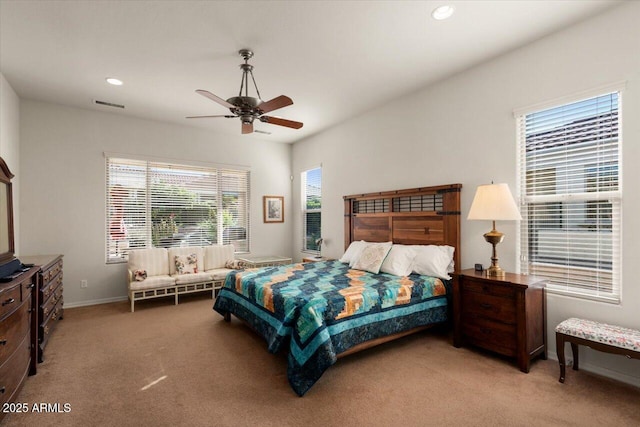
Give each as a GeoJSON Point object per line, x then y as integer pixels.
{"type": "Point", "coordinates": [249, 108]}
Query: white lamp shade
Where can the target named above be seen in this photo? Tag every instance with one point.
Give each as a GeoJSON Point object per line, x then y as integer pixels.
{"type": "Point", "coordinates": [494, 202]}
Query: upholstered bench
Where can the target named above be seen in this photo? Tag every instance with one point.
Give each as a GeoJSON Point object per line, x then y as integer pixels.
{"type": "Point", "coordinates": [161, 272]}
{"type": "Point", "coordinates": [598, 336]}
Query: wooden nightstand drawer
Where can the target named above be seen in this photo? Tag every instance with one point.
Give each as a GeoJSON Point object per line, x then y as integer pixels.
{"type": "Point", "coordinates": [487, 288]}
{"type": "Point", "coordinates": [489, 306]}
{"type": "Point", "coordinates": [494, 336]}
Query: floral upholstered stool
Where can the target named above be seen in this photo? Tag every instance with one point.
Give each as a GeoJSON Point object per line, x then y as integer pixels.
{"type": "Point", "coordinates": [598, 336]}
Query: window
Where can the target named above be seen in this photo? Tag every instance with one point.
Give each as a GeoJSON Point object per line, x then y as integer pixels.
{"type": "Point", "coordinates": [311, 208]}
{"type": "Point", "coordinates": [570, 187]}
{"type": "Point", "coordinates": [154, 204]}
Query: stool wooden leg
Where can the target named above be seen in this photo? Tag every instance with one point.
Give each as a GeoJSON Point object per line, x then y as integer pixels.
{"type": "Point", "coordinates": [560, 352]}
{"type": "Point", "coordinates": [574, 350]}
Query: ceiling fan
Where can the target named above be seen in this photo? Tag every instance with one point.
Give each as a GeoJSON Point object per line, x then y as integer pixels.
{"type": "Point", "coordinates": [248, 108]}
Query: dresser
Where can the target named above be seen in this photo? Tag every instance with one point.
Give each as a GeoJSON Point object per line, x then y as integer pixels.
{"type": "Point", "coordinates": [17, 325]}
{"type": "Point", "coordinates": [504, 315]}
{"type": "Point", "coordinates": [49, 287]}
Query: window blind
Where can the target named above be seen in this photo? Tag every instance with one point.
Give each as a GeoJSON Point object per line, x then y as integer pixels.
{"type": "Point", "coordinates": [570, 190]}
{"type": "Point", "coordinates": [311, 209]}
{"type": "Point", "coordinates": [156, 204]}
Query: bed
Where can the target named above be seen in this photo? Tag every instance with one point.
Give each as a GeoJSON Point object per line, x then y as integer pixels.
{"type": "Point", "coordinates": [320, 311]}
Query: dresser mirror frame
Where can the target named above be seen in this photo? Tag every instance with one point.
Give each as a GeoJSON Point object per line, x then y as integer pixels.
{"type": "Point", "coordinates": [7, 247]}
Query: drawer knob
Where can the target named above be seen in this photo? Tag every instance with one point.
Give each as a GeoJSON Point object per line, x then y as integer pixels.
{"type": "Point", "coordinates": [2, 389]}
{"type": "Point", "coordinates": [31, 286]}
{"type": "Point", "coordinates": [486, 306]}
{"type": "Point", "coordinates": [3, 342]}
{"type": "Point", "coordinates": [8, 301]}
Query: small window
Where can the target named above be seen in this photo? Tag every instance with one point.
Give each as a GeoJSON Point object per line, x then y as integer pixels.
{"type": "Point", "coordinates": [311, 210]}
{"type": "Point", "coordinates": [571, 196]}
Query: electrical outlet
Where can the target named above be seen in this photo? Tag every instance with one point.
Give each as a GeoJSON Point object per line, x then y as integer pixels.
{"type": "Point", "coordinates": [83, 283]}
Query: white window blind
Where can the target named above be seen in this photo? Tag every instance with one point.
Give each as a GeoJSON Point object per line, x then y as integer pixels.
{"type": "Point", "coordinates": [570, 189]}
{"type": "Point", "coordinates": [311, 210]}
{"type": "Point", "coordinates": [155, 204]}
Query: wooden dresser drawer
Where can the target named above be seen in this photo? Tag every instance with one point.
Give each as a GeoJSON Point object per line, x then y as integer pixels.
{"type": "Point", "coordinates": [14, 328]}
{"type": "Point", "coordinates": [47, 308]}
{"type": "Point", "coordinates": [489, 306]}
{"type": "Point", "coordinates": [52, 271]}
{"type": "Point", "coordinates": [49, 323]}
{"type": "Point", "coordinates": [14, 370]}
{"type": "Point", "coordinates": [494, 336]}
{"type": "Point", "coordinates": [10, 299]}
{"type": "Point", "coordinates": [49, 287]}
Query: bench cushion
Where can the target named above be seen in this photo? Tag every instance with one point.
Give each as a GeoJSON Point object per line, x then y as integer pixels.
{"type": "Point", "coordinates": [183, 279]}
{"type": "Point", "coordinates": [162, 281]}
{"type": "Point", "coordinates": [154, 261]}
{"type": "Point", "coordinates": [601, 332]}
{"type": "Point", "coordinates": [219, 273]}
{"type": "Point", "coordinates": [215, 256]}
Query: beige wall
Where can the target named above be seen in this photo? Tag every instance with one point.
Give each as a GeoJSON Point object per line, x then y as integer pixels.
{"type": "Point", "coordinates": [462, 130]}
{"type": "Point", "coordinates": [63, 197]}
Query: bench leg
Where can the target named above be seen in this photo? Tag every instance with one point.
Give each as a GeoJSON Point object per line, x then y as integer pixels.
{"type": "Point", "coordinates": [574, 350]}
{"type": "Point", "coordinates": [560, 352]}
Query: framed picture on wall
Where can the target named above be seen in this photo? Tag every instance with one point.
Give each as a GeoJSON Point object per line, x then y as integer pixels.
{"type": "Point", "coordinates": [273, 208]}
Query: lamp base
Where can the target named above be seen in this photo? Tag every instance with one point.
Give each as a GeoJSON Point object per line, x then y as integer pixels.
{"type": "Point", "coordinates": [494, 237]}
{"type": "Point", "coordinates": [495, 271]}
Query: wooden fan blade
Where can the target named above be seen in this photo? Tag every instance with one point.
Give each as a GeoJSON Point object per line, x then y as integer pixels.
{"type": "Point", "coordinates": [275, 103]}
{"type": "Point", "coordinates": [215, 98]}
{"type": "Point", "coordinates": [247, 128]}
{"type": "Point", "coordinates": [281, 122]}
{"type": "Point", "coordinates": [206, 117]}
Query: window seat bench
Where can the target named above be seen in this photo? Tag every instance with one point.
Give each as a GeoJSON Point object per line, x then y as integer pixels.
{"type": "Point", "coordinates": [160, 272]}
{"type": "Point", "coordinates": [598, 336]}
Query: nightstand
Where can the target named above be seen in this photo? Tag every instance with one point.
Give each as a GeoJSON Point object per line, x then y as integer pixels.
{"type": "Point", "coordinates": [504, 315]}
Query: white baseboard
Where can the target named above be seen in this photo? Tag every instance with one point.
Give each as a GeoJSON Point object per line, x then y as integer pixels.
{"type": "Point", "coordinates": [94, 302]}
{"type": "Point", "coordinates": [598, 370]}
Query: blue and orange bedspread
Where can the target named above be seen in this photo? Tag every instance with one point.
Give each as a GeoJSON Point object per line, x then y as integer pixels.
{"type": "Point", "coordinates": [321, 309]}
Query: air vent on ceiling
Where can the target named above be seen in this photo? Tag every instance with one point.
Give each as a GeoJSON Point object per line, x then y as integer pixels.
{"type": "Point", "coordinates": [107, 104]}
{"type": "Point", "coordinates": [262, 131]}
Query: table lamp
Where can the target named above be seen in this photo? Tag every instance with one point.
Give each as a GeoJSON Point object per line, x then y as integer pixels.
{"type": "Point", "coordinates": [494, 202]}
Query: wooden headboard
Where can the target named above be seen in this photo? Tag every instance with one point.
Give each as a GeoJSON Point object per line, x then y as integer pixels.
{"type": "Point", "coordinates": [415, 216]}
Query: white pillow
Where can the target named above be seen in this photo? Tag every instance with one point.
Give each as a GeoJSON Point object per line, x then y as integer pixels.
{"type": "Point", "coordinates": [449, 250]}
{"type": "Point", "coordinates": [371, 257]}
{"type": "Point", "coordinates": [359, 252]}
{"type": "Point", "coordinates": [399, 260]}
{"type": "Point", "coordinates": [354, 249]}
{"type": "Point", "coordinates": [433, 260]}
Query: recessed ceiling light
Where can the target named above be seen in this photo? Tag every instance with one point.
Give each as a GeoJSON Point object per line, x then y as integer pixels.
{"type": "Point", "coordinates": [114, 81]}
{"type": "Point", "coordinates": [442, 12]}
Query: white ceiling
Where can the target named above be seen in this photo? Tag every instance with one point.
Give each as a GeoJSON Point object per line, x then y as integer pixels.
{"type": "Point", "coordinates": [335, 59]}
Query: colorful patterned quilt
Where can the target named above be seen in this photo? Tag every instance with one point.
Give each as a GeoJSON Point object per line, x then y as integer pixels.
{"type": "Point", "coordinates": [321, 309]}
